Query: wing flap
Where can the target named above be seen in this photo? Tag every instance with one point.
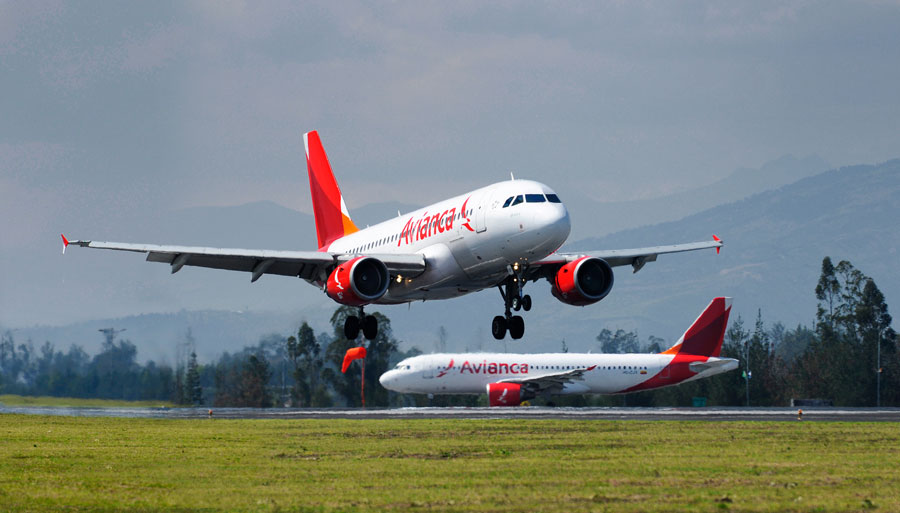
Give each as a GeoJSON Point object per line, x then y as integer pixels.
{"type": "Point", "coordinates": [309, 265]}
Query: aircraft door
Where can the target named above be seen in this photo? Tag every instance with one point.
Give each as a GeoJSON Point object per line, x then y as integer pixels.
{"type": "Point", "coordinates": [481, 214]}
{"type": "Point", "coordinates": [428, 371]}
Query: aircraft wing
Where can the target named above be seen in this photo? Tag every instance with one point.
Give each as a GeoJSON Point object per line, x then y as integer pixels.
{"type": "Point", "coordinates": [538, 384]}
{"type": "Point", "coordinates": [309, 265]}
{"type": "Point", "coordinates": [636, 258]}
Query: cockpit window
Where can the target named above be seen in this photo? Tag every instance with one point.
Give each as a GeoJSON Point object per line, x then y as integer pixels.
{"type": "Point", "coordinates": [534, 198]}
{"type": "Point", "coordinates": [518, 200]}
{"type": "Point", "coordinates": [553, 198]}
{"type": "Point", "coordinates": [508, 201]}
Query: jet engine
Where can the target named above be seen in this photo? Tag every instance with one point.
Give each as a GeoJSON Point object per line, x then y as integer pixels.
{"type": "Point", "coordinates": [583, 282]}
{"type": "Point", "coordinates": [507, 394]}
{"type": "Point", "coordinates": [358, 282]}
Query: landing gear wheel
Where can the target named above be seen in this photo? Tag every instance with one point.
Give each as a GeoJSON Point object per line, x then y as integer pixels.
{"type": "Point", "coordinates": [498, 327]}
{"type": "Point", "coordinates": [370, 327]}
{"type": "Point", "coordinates": [515, 303]}
{"type": "Point", "coordinates": [516, 327]}
{"type": "Point", "coordinates": [526, 302]}
{"type": "Point", "coordinates": [351, 327]}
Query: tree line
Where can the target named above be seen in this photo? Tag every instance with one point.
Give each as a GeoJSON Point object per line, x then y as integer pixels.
{"type": "Point", "coordinates": [836, 360]}
{"type": "Point", "coordinates": [300, 370]}
{"type": "Point", "coordinates": [840, 359]}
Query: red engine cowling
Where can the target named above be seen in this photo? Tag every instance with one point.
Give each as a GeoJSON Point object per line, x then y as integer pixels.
{"type": "Point", "coordinates": [358, 282]}
{"type": "Point", "coordinates": [582, 282]}
{"type": "Point", "coordinates": [504, 394]}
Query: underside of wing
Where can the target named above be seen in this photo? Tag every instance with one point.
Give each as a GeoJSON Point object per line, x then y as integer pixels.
{"type": "Point", "coordinates": [636, 257]}
{"type": "Point", "coordinates": [550, 382]}
{"type": "Point", "coordinates": [308, 265]}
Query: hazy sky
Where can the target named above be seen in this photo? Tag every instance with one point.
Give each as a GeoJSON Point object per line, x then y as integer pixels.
{"type": "Point", "coordinates": [112, 107]}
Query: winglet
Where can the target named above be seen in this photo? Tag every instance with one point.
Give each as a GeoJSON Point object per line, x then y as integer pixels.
{"type": "Point", "coordinates": [717, 239]}
{"type": "Point", "coordinates": [332, 218]}
{"type": "Point", "coordinates": [65, 243]}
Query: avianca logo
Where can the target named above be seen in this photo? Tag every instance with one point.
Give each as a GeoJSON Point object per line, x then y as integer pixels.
{"type": "Point", "coordinates": [445, 371]}
{"type": "Point", "coordinates": [337, 281]}
{"type": "Point", "coordinates": [493, 368]}
{"type": "Point", "coordinates": [432, 224]}
{"type": "Point", "coordinates": [466, 225]}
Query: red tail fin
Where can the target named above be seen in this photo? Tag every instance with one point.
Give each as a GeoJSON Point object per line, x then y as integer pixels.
{"type": "Point", "coordinates": [704, 337]}
{"type": "Point", "coordinates": [332, 219]}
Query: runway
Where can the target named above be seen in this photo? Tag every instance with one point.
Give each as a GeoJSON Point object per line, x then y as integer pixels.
{"type": "Point", "coordinates": [534, 413]}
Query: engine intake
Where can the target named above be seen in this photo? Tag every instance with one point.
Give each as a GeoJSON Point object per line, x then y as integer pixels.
{"type": "Point", "coordinates": [358, 282]}
{"type": "Point", "coordinates": [583, 282]}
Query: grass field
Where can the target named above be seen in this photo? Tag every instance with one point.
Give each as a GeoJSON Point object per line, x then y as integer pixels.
{"type": "Point", "coordinates": [44, 400]}
{"type": "Point", "coordinates": [110, 464]}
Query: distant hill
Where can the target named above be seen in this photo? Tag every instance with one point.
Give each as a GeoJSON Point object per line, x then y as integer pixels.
{"type": "Point", "coordinates": [744, 182]}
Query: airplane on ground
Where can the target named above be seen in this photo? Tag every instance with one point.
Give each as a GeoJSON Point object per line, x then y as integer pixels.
{"type": "Point", "coordinates": [503, 235]}
{"type": "Point", "coordinates": [509, 379]}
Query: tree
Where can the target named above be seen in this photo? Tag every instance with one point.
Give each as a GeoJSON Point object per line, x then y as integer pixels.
{"type": "Point", "coordinates": [851, 320]}
{"type": "Point", "coordinates": [765, 385]}
{"type": "Point", "coordinates": [254, 378]}
{"type": "Point", "coordinates": [736, 342]}
{"type": "Point", "coordinates": [827, 291]}
{"type": "Point", "coordinates": [183, 348]}
{"type": "Point", "coordinates": [618, 342]}
{"type": "Point", "coordinates": [114, 371]}
{"type": "Point", "coordinates": [193, 391]}
{"type": "Point", "coordinates": [655, 344]}
{"type": "Point", "coordinates": [874, 324]}
{"type": "Point", "coordinates": [304, 352]}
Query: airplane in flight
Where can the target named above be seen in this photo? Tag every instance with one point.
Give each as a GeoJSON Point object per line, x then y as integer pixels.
{"type": "Point", "coordinates": [503, 235]}
{"type": "Point", "coordinates": [509, 379]}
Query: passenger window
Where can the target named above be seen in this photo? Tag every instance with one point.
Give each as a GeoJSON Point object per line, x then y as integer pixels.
{"type": "Point", "coordinates": [553, 198]}
{"type": "Point", "coordinates": [507, 202]}
{"type": "Point", "coordinates": [534, 198]}
{"type": "Point", "coordinates": [517, 200]}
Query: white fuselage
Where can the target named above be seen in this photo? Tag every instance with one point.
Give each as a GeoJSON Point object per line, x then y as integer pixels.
{"type": "Point", "coordinates": [470, 373]}
{"type": "Point", "coordinates": [468, 241]}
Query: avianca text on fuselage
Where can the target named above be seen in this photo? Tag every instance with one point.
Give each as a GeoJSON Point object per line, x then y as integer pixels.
{"type": "Point", "coordinates": [430, 224]}
{"type": "Point", "coordinates": [485, 367]}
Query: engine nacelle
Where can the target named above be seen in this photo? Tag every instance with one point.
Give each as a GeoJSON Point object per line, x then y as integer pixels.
{"type": "Point", "coordinates": [506, 394]}
{"type": "Point", "coordinates": [358, 282]}
{"type": "Point", "coordinates": [582, 282]}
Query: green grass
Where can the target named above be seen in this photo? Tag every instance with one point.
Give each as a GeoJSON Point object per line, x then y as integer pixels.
{"type": "Point", "coordinates": [107, 464]}
{"type": "Point", "coordinates": [44, 400]}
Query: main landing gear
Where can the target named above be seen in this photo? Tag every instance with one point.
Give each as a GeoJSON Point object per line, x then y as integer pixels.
{"type": "Point", "coordinates": [369, 326]}
{"type": "Point", "coordinates": [513, 300]}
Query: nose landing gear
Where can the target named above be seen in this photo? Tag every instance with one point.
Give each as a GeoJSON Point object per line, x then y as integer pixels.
{"type": "Point", "coordinates": [512, 300]}
{"type": "Point", "coordinates": [368, 324]}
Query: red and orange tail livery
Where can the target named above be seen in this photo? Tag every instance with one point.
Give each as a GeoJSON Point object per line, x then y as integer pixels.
{"type": "Point", "coordinates": [332, 219]}
{"type": "Point", "coordinates": [705, 336]}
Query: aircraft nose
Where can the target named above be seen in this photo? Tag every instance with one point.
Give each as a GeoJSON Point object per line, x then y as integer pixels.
{"type": "Point", "coordinates": [388, 379]}
{"type": "Point", "coordinates": [557, 218]}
